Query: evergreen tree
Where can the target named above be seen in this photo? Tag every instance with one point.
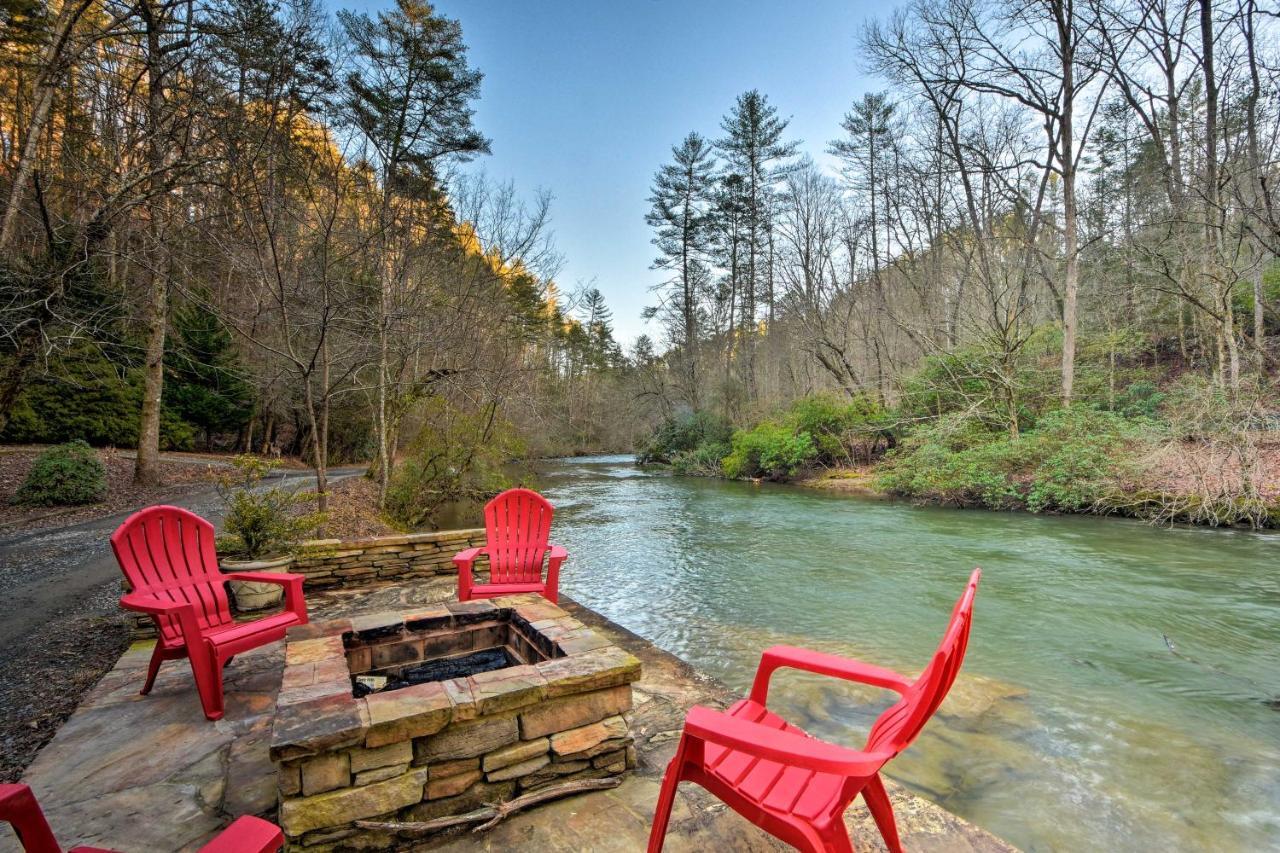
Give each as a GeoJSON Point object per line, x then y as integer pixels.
{"type": "Point", "coordinates": [754, 150]}
{"type": "Point", "coordinates": [864, 151]}
{"type": "Point", "coordinates": [204, 384]}
{"type": "Point", "coordinates": [682, 199]}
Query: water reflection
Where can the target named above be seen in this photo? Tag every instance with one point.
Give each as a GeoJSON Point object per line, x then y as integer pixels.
{"type": "Point", "coordinates": [1116, 690]}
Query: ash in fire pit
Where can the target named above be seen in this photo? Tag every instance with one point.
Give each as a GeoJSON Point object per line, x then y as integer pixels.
{"type": "Point", "coordinates": [393, 657]}
{"type": "Point", "coordinates": [441, 670]}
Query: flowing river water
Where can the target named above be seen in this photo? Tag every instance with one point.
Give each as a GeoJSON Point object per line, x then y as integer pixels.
{"type": "Point", "coordinates": [1122, 687]}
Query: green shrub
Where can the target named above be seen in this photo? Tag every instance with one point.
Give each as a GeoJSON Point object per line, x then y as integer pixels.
{"type": "Point", "coordinates": [1140, 400]}
{"type": "Point", "coordinates": [770, 450]}
{"type": "Point", "coordinates": [843, 430]}
{"type": "Point", "coordinates": [1074, 460]}
{"type": "Point", "coordinates": [68, 474]}
{"type": "Point", "coordinates": [458, 455]}
{"type": "Point", "coordinates": [702, 461]}
{"type": "Point", "coordinates": [684, 433]}
{"type": "Point", "coordinates": [264, 521]}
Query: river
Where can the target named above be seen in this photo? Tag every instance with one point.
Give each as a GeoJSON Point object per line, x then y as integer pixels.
{"type": "Point", "coordinates": [1122, 686]}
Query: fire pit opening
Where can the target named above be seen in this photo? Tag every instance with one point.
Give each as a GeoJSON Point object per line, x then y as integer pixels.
{"type": "Point", "coordinates": [438, 649]}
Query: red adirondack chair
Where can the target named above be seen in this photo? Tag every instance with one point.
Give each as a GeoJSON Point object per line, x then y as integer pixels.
{"type": "Point", "coordinates": [168, 557]}
{"type": "Point", "coordinates": [19, 809]}
{"type": "Point", "coordinates": [517, 529]}
{"type": "Point", "coordinates": [790, 784]}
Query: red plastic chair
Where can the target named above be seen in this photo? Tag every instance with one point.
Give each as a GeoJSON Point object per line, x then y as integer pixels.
{"type": "Point", "coordinates": [19, 809]}
{"type": "Point", "coordinates": [167, 554]}
{"type": "Point", "coordinates": [797, 787]}
{"type": "Point", "coordinates": [517, 527]}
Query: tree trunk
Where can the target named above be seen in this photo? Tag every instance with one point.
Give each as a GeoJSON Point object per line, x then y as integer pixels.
{"type": "Point", "coordinates": [156, 308]}
{"type": "Point", "coordinates": [1071, 284]}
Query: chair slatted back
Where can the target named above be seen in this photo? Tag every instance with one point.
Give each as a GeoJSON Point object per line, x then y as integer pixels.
{"type": "Point", "coordinates": [518, 528]}
{"type": "Point", "coordinates": [898, 726]}
{"type": "Point", "coordinates": [168, 552]}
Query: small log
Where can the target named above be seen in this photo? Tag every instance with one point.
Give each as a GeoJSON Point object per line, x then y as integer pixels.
{"type": "Point", "coordinates": [491, 814]}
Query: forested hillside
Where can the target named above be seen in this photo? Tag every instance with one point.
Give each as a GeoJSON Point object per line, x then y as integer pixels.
{"type": "Point", "coordinates": [251, 225]}
{"type": "Point", "coordinates": [1050, 205]}
{"type": "Point", "coordinates": [242, 225]}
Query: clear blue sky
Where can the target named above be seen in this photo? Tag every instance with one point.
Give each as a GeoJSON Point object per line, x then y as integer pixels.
{"type": "Point", "coordinates": [586, 99]}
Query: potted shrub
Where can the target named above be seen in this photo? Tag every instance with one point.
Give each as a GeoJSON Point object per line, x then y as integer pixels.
{"type": "Point", "coordinates": [261, 527]}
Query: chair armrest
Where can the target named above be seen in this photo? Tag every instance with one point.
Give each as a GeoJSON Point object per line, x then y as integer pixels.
{"type": "Point", "coordinates": [555, 558]}
{"type": "Point", "coordinates": [183, 612]}
{"type": "Point", "coordinates": [292, 583]}
{"type": "Point", "coordinates": [140, 603]}
{"type": "Point", "coordinates": [781, 746]}
{"type": "Point", "coordinates": [463, 560]}
{"type": "Point", "coordinates": [821, 663]}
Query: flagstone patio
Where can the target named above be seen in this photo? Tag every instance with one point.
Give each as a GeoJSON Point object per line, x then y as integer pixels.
{"type": "Point", "coordinates": [151, 774]}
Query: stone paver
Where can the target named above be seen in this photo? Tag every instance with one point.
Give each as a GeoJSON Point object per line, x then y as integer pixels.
{"type": "Point", "coordinates": [151, 774]}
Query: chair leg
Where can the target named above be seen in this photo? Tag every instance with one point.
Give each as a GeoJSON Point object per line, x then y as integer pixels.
{"type": "Point", "coordinates": [207, 669]}
{"type": "Point", "coordinates": [153, 669]}
{"type": "Point", "coordinates": [666, 800]}
{"type": "Point", "coordinates": [877, 800]}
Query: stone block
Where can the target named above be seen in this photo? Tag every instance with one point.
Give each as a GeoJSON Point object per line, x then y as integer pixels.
{"type": "Point", "coordinates": [325, 773]}
{"type": "Point", "coordinates": [411, 712]}
{"type": "Point", "coordinates": [451, 786]}
{"type": "Point", "coordinates": [585, 737]}
{"type": "Point", "coordinates": [514, 754]}
{"type": "Point", "coordinates": [507, 689]}
{"type": "Point", "coordinates": [305, 728]}
{"type": "Point", "coordinates": [452, 768]}
{"type": "Point", "coordinates": [515, 771]}
{"type": "Point", "coordinates": [570, 712]}
{"type": "Point", "coordinates": [464, 702]}
{"type": "Point", "coordinates": [593, 670]}
{"type": "Point", "coordinates": [466, 740]}
{"type": "Point", "coordinates": [310, 651]}
{"type": "Point", "coordinates": [393, 753]}
{"type": "Point", "coordinates": [289, 779]}
{"type": "Point", "coordinates": [337, 808]}
{"type": "Point", "coordinates": [378, 774]}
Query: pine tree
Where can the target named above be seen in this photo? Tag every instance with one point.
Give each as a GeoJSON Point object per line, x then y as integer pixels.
{"type": "Point", "coordinates": [754, 150]}
{"type": "Point", "coordinates": [410, 98]}
{"type": "Point", "coordinates": [864, 151]}
{"type": "Point", "coordinates": [682, 201]}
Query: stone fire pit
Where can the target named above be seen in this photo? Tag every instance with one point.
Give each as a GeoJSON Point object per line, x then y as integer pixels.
{"type": "Point", "coordinates": [483, 700]}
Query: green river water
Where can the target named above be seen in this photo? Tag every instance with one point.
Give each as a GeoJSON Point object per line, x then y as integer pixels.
{"type": "Point", "coordinates": [1075, 725]}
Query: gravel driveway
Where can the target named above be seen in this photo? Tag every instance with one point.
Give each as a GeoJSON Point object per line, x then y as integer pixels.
{"type": "Point", "coordinates": [60, 620]}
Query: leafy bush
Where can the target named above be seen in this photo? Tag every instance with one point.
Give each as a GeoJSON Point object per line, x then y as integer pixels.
{"type": "Point", "coordinates": [261, 521]}
{"type": "Point", "coordinates": [1139, 400]}
{"type": "Point", "coordinates": [68, 474]}
{"type": "Point", "coordinates": [702, 461]}
{"type": "Point", "coordinates": [843, 431]}
{"type": "Point", "coordinates": [682, 434]}
{"type": "Point", "coordinates": [457, 455]}
{"type": "Point", "coordinates": [770, 450]}
{"type": "Point", "coordinates": [1073, 460]}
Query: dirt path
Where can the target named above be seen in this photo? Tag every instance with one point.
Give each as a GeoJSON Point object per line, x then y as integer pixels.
{"type": "Point", "coordinates": [60, 620]}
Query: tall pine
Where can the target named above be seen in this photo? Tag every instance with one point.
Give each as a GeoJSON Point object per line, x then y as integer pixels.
{"type": "Point", "coordinates": [681, 210]}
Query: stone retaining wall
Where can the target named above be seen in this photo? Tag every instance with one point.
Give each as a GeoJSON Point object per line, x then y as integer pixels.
{"type": "Point", "coordinates": [337, 563]}
{"type": "Point", "coordinates": [330, 563]}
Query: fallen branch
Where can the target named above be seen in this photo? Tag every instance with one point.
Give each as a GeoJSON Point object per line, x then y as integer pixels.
{"type": "Point", "coordinates": [492, 813]}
